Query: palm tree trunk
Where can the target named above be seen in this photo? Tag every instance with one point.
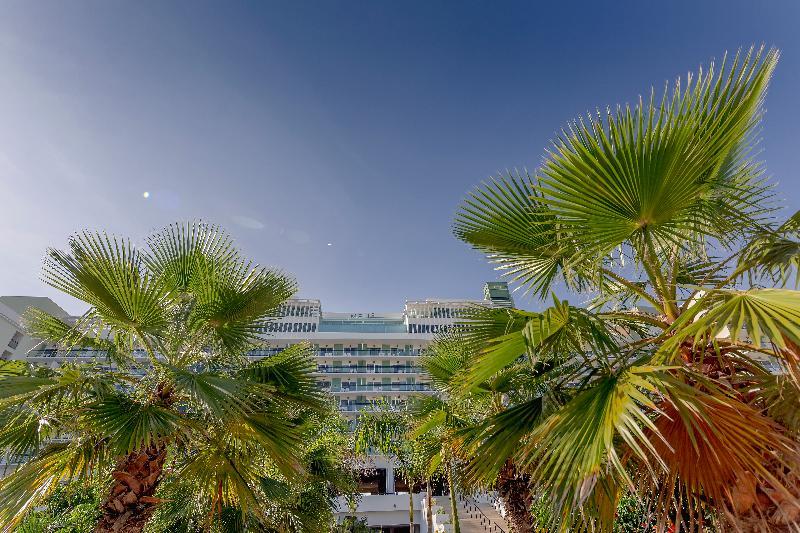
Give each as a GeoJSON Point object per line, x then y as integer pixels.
{"type": "Point", "coordinates": [411, 509]}
{"type": "Point", "coordinates": [514, 489]}
{"type": "Point", "coordinates": [130, 502]}
{"type": "Point", "coordinates": [453, 502]}
{"type": "Point", "coordinates": [429, 505]}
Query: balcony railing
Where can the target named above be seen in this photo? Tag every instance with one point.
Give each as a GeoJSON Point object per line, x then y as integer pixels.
{"type": "Point", "coordinates": [354, 406]}
{"type": "Point", "coordinates": [374, 369]}
{"type": "Point", "coordinates": [267, 352]}
{"type": "Point", "coordinates": [329, 352]}
{"type": "Point", "coordinates": [380, 387]}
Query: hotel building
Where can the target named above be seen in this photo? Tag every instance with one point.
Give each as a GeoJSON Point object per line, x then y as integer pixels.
{"type": "Point", "coordinates": [361, 358]}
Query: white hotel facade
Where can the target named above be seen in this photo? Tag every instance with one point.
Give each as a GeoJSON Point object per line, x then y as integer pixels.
{"type": "Point", "coordinates": [361, 358]}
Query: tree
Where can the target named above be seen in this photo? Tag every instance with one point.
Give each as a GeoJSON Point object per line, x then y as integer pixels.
{"type": "Point", "coordinates": [389, 432]}
{"type": "Point", "coordinates": [513, 393]}
{"type": "Point", "coordinates": [661, 215]}
{"type": "Point", "coordinates": [171, 392]}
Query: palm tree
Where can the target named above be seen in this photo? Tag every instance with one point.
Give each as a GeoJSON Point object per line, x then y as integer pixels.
{"type": "Point", "coordinates": [434, 423]}
{"type": "Point", "coordinates": [171, 394]}
{"type": "Point", "coordinates": [513, 394]}
{"type": "Point", "coordinates": [390, 432]}
{"type": "Point", "coordinates": [661, 387]}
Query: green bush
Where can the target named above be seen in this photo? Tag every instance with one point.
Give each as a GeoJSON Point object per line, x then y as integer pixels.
{"type": "Point", "coordinates": [73, 508]}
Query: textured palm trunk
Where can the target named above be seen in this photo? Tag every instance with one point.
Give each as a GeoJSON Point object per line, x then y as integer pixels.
{"type": "Point", "coordinates": [514, 490]}
{"type": "Point", "coordinates": [453, 502]}
{"type": "Point", "coordinates": [131, 501]}
{"type": "Point", "coordinates": [429, 505]}
{"type": "Point", "coordinates": [411, 509]}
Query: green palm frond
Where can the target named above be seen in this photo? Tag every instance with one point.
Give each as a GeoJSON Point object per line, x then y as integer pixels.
{"type": "Point", "coordinates": [781, 395]}
{"type": "Point", "coordinates": [179, 250]}
{"type": "Point", "coordinates": [774, 253]}
{"type": "Point", "coordinates": [41, 325]}
{"type": "Point", "coordinates": [290, 373]}
{"type": "Point", "coordinates": [67, 385]}
{"type": "Point", "coordinates": [38, 478]}
{"type": "Point", "coordinates": [109, 274]}
{"type": "Point", "coordinates": [381, 429]}
{"type": "Point", "coordinates": [445, 359]}
{"type": "Point", "coordinates": [558, 334]}
{"type": "Point", "coordinates": [225, 478]}
{"type": "Point", "coordinates": [279, 438]}
{"type": "Point", "coordinates": [486, 446]}
{"type": "Point", "coordinates": [507, 220]}
{"type": "Point", "coordinates": [22, 430]}
{"type": "Point", "coordinates": [14, 367]}
{"type": "Point", "coordinates": [570, 449]}
{"type": "Point", "coordinates": [745, 317]}
{"type": "Point", "coordinates": [130, 425]}
{"type": "Point", "coordinates": [235, 300]}
{"type": "Point", "coordinates": [219, 395]}
{"type": "Point", "coordinates": [673, 173]}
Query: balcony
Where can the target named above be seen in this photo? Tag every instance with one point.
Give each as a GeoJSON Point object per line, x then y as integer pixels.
{"type": "Point", "coordinates": [370, 369]}
{"type": "Point", "coordinates": [380, 387]}
{"type": "Point", "coordinates": [353, 406]}
{"type": "Point", "coordinates": [373, 352]}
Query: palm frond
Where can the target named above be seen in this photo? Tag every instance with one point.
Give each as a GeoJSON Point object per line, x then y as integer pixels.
{"type": "Point", "coordinates": [738, 316]}
{"type": "Point", "coordinates": [507, 220]}
{"type": "Point", "coordinates": [224, 478]}
{"type": "Point", "coordinates": [14, 367]}
{"type": "Point", "coordinates": [486, 446]}
{"type": "Point", "coordinates": [569, 451]}
{"type": "Point", "coordinates": [42, 325]}
{"type": "Point", "coordinates": [290, 374]}
{"type": "Point", "coordinates": [774, 253]}
{"type": "Point", "coordinates": [710, 443]}
{"type": "Point", "coordinates": [130, 425]}
{"type": "Point", "coordinates": [37, 479]}
{"type": "Point", "coordinates": [235, 300]}
{"type": "Point", "coordinates": [219, 395]}
{"type": "Point", "coordinates": [179, 250]}
{"type": "Point", "coordinates": [675, 172]}
{"type": "Point", "coordinates": [109, 274]}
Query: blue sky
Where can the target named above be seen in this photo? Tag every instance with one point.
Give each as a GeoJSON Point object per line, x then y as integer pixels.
{"type": "Point", "coordinates": [359, 124]}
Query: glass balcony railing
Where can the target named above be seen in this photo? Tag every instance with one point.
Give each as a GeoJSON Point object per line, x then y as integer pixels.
{"type": "Point", "coordinates": [329, 352]}
{"type": "Point", "coordinates": [266, 352]}
{"type": "Point", "coordinates": [378, 387]}
{"type": "Point", "coordinates": [355, 406]}
{"type": "Point", "coordinates": [79, 352]}
{"type": "Point", "coordinates": [373, 369]}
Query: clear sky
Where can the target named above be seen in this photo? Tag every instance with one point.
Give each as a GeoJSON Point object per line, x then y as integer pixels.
{"type": "Point", "coordinates": [296, 124]}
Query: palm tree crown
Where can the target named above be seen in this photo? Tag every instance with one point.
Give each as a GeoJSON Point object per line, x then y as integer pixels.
{"type": "Point", "coordinates": [171, 400]}
{"type": "Point", "coordinates": [659, 388]}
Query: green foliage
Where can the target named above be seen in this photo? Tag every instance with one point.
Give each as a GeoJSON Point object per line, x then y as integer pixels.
{"type": "Point", "coordinates": [351, 524]}
{"type": "Point", "coordinates": [176, 320]}
{"type": "Point", "coordinates": [661, 385]}
{"type": "Point", "coordinates": [72, 508]}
